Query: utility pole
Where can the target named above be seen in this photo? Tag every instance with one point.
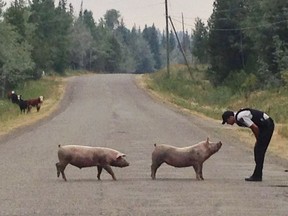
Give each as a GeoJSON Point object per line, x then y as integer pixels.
{"type": "Point", "coordinates": [167, 39]}
{"type": "Point", "coordinates": [183, 38]}
{"type": "Point", "coordinates": [181, 48]}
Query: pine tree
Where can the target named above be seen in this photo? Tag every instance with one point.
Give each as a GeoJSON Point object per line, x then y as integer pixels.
{"type": "Point", "coordinates": [225, 43]}
{"type": "Point", "coordinates": [199, 42]}
{"type": "Point", "coordinates": [150, 34]}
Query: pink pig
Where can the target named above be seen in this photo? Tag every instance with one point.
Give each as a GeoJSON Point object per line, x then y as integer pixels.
{"type": "Point", "coordinates": [87, 156]}
{"type": "Point", "coordinates": [184, 157]}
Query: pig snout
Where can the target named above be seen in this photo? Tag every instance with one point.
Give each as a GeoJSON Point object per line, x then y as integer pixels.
{"type": "Point", "coordinates": [120, 162]}
{"type": "Point", "coordinates": [214, 147]}
{"type": "Point", "coordinates": [218, 145]}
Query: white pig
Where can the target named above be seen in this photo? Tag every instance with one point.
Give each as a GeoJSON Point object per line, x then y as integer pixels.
{"type": "Point", "coordinates": [87, 156]}
{"type": "Point", "coordinates": [184, 157]}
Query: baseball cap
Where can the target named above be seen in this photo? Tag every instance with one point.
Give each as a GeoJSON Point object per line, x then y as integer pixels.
{"type": "Point", "coordinates": [226, 115]}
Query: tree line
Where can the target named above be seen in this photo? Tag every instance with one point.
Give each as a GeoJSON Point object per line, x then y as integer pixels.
{"type": "Point", "coordinates": [245, 44]}
{"type": "Point", "coordinates": [37, 36]}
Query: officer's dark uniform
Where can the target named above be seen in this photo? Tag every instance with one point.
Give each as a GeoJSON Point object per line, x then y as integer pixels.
{"type": "Point", "coordinates": [266, 128]}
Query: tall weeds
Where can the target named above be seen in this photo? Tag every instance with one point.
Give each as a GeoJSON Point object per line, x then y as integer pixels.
{"type": "Point", "coordinates": [199, 95]}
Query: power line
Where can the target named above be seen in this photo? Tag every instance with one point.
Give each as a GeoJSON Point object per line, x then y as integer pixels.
{"type": "Point", "coordinates": [240, 29]}
{"type": "Point", "coordinates": [252, 27]}
{"type": "Point", "coordinates": [178, 21]}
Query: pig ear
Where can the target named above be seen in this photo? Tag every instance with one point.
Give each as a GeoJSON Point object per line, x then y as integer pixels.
{"type": "Point", "coordinates": [120, 155]}
{"type": "Point", "coordinates": [207, 140]}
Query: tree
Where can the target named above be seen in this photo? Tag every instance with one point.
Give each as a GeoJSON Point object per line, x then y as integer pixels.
{"type": "Point", "coordinates": [225, 43]}
{"type": "Point", "coordinates": [114, 56]}
{"type": "Point", "coordinates": [150, 34]}
{"type": "Point", "coordinates": [2, 4]}
{"type": "Point", "coordinates": [143, 57]}
{"type": "Point", "coordinates": [172, 41]}
{"type": "Point", "coordinates": [199, 42]}
{"type": "Point", "coordinates": [268, 33]}
{"type": "Point", "coordinates": [141, 52]}
{"type": "Point", "coordinates": [15, 57]}
{"type": "Point", "coordinates": [62, 42]}
{"type": "Point", "coordinates": [90, 23]}
{"type": "Point", "coordinates": [126, 39]}
{"type": "Point", "coordinates": [111, 18]}
{"type": "Point", "coordinates": [15, 16]}
{"type": "Point", "coordinates": [50, 41]}
{"type": "Point", "coordinates": [81, 42]}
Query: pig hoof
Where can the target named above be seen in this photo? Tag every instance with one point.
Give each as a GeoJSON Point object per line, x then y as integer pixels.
{"type": "Point", "coordinates": [58, 171]}
{"type": "Point", "coordinates": [199, 179]}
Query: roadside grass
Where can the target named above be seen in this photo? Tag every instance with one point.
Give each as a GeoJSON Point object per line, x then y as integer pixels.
{"type": "Point", "coordinates": [51, 87]}
{"type": "Point", "coordinates": [195, 94]}
{"type": "Point", "coordinates": [198, 95]}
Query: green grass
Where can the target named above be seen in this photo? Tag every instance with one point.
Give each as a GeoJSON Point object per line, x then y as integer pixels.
{"type": "Point", "coordinates": [50, 86]}
{"type": "Point", "coordinates": [195, 94]}
{"type": "Point", "coordinates": [10, 113]}
{"type": "Point", "coordinates": [199, 95]}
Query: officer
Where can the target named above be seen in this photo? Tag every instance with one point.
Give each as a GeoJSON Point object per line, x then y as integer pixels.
{"type": "Point", "coordinates": [262, 127]}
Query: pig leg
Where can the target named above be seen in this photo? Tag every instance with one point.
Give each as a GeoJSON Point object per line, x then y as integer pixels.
{"type": "Point", "coordinates": [198, 170]}
{"type": "Point", "coordinates": [154, 168]}
{"type": "Point", "coordinates": [60, 168]}
{"type": "Point", "coordinates": [110, 171]}
{"type": "Point", "coordinates": [99, 168]}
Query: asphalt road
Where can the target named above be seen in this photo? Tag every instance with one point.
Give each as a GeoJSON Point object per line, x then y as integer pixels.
{"type": "Point", "coordinates": [111, 111]}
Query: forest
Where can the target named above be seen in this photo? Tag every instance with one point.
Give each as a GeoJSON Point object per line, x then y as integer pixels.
{"type": "Point", "coordinates": [243, 44]}
{"type": "Point", "coordinates": [39, 36]}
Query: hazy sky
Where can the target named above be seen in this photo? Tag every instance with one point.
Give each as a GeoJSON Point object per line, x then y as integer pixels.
{"type": "Point", "coordinates": [141, 12]}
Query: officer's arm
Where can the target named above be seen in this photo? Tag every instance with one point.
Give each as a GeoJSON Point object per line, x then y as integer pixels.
{"type": "Point", "coordinates": [255, 130]}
